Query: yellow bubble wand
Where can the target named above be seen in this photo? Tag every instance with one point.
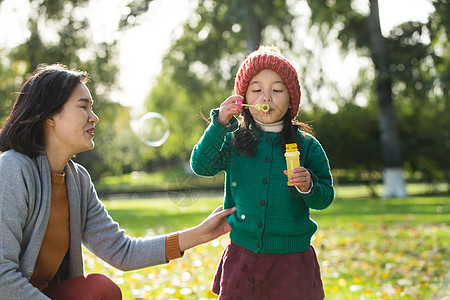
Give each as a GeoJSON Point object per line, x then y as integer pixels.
{"type": "Point", "coordinates": [262, 107]}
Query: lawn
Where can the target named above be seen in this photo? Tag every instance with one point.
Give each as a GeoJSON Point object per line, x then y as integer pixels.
{"type": "Point", "coordinates": [368, 248]}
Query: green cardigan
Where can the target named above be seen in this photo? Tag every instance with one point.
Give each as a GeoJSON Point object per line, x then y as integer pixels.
{"type": "Point", "coordinates": [271, 217]}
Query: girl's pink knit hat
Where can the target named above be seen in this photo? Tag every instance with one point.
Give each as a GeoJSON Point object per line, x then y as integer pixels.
{"type": "Point", "coordinates": [269, 58]}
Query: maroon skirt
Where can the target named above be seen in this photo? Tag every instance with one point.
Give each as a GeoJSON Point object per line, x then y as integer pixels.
{"type": "Point", "coordinates": [245, 275]}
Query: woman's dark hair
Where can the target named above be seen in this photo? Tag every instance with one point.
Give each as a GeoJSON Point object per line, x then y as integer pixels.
{"type": "Point", "coordinates": [40, 97]}
{"type": "Point", "coordinates": [246, 137]}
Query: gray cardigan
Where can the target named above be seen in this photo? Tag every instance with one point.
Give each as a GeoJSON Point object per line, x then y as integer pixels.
{"type": "Point", "coordinates": [24, 210]}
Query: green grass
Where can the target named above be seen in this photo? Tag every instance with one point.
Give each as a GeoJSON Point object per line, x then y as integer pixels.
{"type": "Point", "coordinates": [368, 248]}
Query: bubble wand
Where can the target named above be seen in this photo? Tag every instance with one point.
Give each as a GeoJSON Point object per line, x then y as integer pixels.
{"type": "Point", "coordinates": [262, 107]}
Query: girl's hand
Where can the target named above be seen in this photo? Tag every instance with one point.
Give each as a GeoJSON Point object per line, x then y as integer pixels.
{"type": "Point", "coordinates": [301, 178]}
{"type": "Point", "coordinates": [228, 108]}
{"type": "Point", "coordinates": [211, 228]}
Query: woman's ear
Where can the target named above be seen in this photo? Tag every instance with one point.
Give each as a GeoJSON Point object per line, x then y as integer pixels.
{"type": "Point", "coordinates": [50, 121]}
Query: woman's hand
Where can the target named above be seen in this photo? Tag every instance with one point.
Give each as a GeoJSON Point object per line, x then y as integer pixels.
{"type": "Point", "coordinates": [301, 178]}
{"type": "Point", "coordinates": [228, 108]}
{"type": "Point", "coordinates": [211, 228]}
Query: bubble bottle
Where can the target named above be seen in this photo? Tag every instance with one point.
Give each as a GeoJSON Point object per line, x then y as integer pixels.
{"type": "Point", "coordinates": [292, 156]}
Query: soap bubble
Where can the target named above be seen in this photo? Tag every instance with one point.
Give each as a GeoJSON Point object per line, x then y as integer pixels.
{"type": "Point", "coordinates": [153, 129]}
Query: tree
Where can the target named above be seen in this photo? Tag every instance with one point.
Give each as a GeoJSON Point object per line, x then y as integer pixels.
{"type": "Point", "coordinates": [393, 172]}
{"type": "Point", "coordinates": [362, 31]}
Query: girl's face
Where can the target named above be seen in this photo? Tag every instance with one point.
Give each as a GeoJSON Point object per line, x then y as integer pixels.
{"type": "Point", "coordinates": [72, 129]}
{"type": "Point", "coordinates": [267, 87]}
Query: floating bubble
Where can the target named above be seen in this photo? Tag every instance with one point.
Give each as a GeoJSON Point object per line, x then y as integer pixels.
{"type": "Point", "coordinates": [153, 129]}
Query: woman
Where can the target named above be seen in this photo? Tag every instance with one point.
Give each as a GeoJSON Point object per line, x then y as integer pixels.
{"type": "Point", "coordinates": [49, 206]}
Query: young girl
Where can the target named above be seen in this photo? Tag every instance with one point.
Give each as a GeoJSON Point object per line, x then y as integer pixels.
{"type": "Point", "coordinates": [49, 206]}
{"type": "Point", "coordinates": [270, 255]}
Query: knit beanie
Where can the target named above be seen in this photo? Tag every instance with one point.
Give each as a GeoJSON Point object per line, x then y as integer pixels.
{"type": "Point", "coordinates": [269, 58]}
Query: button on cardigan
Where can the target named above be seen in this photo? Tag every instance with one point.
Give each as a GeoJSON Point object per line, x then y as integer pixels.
{"type": "Point", "coordinates": [271, 217]}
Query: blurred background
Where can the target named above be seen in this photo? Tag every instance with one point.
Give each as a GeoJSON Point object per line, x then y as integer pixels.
{"type": "Point", "coordinates": [375, 79]}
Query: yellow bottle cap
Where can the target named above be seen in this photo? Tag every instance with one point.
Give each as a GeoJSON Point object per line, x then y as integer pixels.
{"type": "Point", "coordinates": [291, 147]}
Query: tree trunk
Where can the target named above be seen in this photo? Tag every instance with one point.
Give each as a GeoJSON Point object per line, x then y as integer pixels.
{"type": "Point", "coordinates": [254, 28]}
{"type": "Point", "coordinates": [394, 184]}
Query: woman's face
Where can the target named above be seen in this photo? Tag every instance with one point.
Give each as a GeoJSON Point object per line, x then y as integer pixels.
{"type": "Point", "coordinates": [267, 87]}
{"type": "Point", "coordinates": [72, 129]}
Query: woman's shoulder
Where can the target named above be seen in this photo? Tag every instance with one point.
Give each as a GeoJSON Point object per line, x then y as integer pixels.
{"type": "Point", "coordinates": [16, 167]}
{"type": "Point", "coordinates": [13, 159]}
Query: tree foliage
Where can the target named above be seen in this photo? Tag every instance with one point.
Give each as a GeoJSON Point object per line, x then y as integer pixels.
{"type": "Point", "coordinates": [422, 73]}
{"type": "Point", "coordinates": [410, 65]}
{"type": "Point", "coordinates": [71, 44]}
